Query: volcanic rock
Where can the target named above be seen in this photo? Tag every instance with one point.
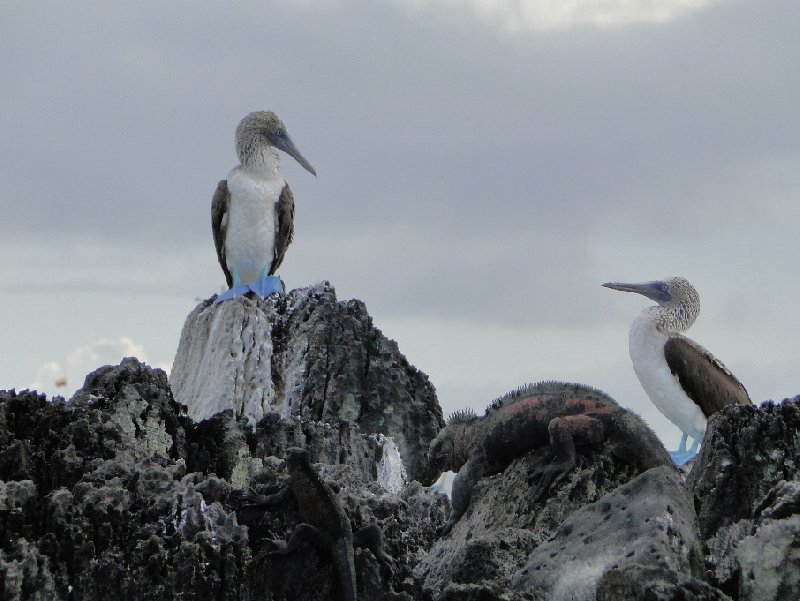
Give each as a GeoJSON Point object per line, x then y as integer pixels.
{"type": "Point", "coordinates": [648, 522]}
{"type": "Point", "coordinates": [746, 487]}
{"type": "Point", "coordinates": [119, 495]}
{"type": "Point", "coordinates": [502, 527]}
{"type": "Point", "coordinates": [304, 354]}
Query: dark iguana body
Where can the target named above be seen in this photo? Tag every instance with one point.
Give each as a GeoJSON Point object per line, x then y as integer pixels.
{"type": "Point", "coordinates": [549, 413]}
{"type": "Point", "coordinates": [324, 522]}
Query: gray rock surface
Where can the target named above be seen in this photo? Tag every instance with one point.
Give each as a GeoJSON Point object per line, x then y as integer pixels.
{"type": "Point", "coordinates": [743, 546]}
{"type": "Point", "coordinates": [642, 582]}
{"type": "Point", "coordinates": [758, 559]}
{"type": "Point", "coordinates": [503, 525]}
{"type": "Point", "coordinates": [306, 355]}
{"type": "Point", "coordinates": [118, 495]}
{"type": "Point", "coordinates": [649, 521]}
{"type": "Point", "coordinates": [770, 561]}
{"type": "Point", "coordinates": [746, 489]}
{"type": "Point", "coordinates": [746, 451]}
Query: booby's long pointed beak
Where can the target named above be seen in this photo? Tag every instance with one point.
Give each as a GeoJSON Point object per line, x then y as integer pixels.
{"type": "Point", "coordinates": [655, 290]}
{"type": "Point", "coordinates": [284, 143]}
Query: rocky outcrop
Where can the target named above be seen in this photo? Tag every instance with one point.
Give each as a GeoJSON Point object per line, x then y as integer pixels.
{"type": "Point", "coordinates": [109, 502]}
{"type": "Point", "coordinates": [746, 451]}
{"type": "Point", "coordinates": [606, 533]}
{"type": "Point", "coordinates": [647, 523]}
{"type": "Point", "coordinates": [502, 531]}
{"type": "Point", "coordinates": [306, 355]}
{"type": "Point", "coordinates": [558, 415]}
{"type": "Point", "coordinates": [769, 556]}
{"type": "Point", "coordinates": [746, 488]}
{"type": "Point", "coordinates": [117, 494]}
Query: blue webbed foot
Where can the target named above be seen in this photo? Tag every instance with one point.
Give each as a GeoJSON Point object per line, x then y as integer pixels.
{"type": "Point", "coordinates": [266, 285]}
{"type": "Point", "coordinates": [236, 290]}
{"type": "Point", "coordinates": [680, 457]}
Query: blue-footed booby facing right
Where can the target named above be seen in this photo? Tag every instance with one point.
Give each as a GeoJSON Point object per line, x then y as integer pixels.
{"type": "Point", "coordinates": [252, 213]}
{"type": "Point", "coordinates": [683, 380]}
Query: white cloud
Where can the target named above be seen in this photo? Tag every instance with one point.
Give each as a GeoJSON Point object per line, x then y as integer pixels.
{"type": "Point", "coordinates": [66, 376]}
{"type": "Point", "coordinates": [103, 350]}
{"type": "Point", "coordinates": [537, 15]}
{"type": "Point", "coordinates": [49, 372]}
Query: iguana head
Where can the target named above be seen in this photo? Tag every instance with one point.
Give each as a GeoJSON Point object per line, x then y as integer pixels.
{"type": "Point", "coordinates": [295, 457]}
{"type": "Point", "coordinates": [447, 450]}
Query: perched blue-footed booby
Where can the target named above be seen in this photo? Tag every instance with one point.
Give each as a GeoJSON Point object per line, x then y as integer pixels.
{"type": "Point", "coordinates": [683, 380]}
{"type": "Point", "coordinates": [252, 214]}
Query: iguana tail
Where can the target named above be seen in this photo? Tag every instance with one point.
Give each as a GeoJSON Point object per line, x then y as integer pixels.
{"type": "Point", "coordinates": [344, 562]}
{"type": "Point", "coordinates": [637, 444]}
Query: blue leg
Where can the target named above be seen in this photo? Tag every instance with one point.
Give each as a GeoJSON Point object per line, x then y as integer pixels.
{"type": "Point", "coordinates": [681, 456]}
{"type": "Point", "coordinates": [238, 289]}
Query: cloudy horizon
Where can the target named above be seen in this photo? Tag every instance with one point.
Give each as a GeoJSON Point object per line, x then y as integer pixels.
{"type": "Point", "coordinates": [483, 168]}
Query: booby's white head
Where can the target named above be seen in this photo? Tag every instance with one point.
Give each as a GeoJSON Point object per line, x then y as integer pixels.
{"type": "Point", "coordinates": [679, 303]}
{"type": "Point", "coordinates": [258, 133]}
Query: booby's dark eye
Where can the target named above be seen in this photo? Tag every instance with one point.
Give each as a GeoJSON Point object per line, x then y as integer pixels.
{"type": "Point", "coordinates": [280, 133]}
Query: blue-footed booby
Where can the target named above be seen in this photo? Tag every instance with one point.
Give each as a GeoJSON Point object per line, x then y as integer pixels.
{"type": "Point", "coordinates": [683, 380]}
{"type": "Point", "coordinates": [252, 213]}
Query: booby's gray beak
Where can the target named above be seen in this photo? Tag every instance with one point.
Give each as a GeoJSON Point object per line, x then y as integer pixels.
{"type": "Point", "coordinates": [284, 142]}
{"type": "Point", "coordinates": [655, 290]}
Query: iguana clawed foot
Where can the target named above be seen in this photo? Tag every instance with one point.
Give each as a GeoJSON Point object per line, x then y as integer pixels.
{"type": "Point", "coordinates": [302, 534]}
{"type": "Point", "coordinates": [252, 500]}
{"type": "Point", "coordinates": [544, 478]}
{"type": "Point", "coordinates": [275, 546]}
{"type": "Point", "coordinates": [447, 527]}
{"type": "Point", "coordinates": [371, 536]}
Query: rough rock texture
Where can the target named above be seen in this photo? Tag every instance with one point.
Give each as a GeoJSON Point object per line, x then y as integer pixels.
{"type": "Point", "coordinates": [770, 561]}
{"type": "Point", "coordinates": [118, 495]}
{"type": "Point", "coordinates": [647, 522]}
{"type": "Point", "coordinates": [308, 355]}
{"type": "Point", "coordinates": [604, 533]}
{"type": "Point", "coordinates": [503, 525]}
{"type": "Point", "coordinates": [642, 582]}
{"type": "Point", "coordinates": [746, 487]}
{"type": "Point", "coordinates": [746, 451]}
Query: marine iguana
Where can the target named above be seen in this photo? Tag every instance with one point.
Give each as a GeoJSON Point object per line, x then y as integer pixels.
{"type": "Point", "coordinates": [324, 523]}
{"type": "Point", "coordinates": [555, 413]}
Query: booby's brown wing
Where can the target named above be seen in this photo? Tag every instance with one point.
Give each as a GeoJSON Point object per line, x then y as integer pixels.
{"type": "Point", "coordinates": [702, 376]}
{"type": "Point", "coordinates": [219, 225]}
{"type": "Point", "coordinates": [284, 226]}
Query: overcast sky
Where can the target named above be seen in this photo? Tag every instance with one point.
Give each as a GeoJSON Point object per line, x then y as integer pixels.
{"type": "Point", "coordinates": [483, 168]}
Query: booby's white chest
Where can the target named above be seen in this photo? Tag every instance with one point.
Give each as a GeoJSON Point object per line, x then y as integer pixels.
{"type": "Point", "coordinates": [646, 347]}
{"type": "Point", "coordinates": [250, 236]}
